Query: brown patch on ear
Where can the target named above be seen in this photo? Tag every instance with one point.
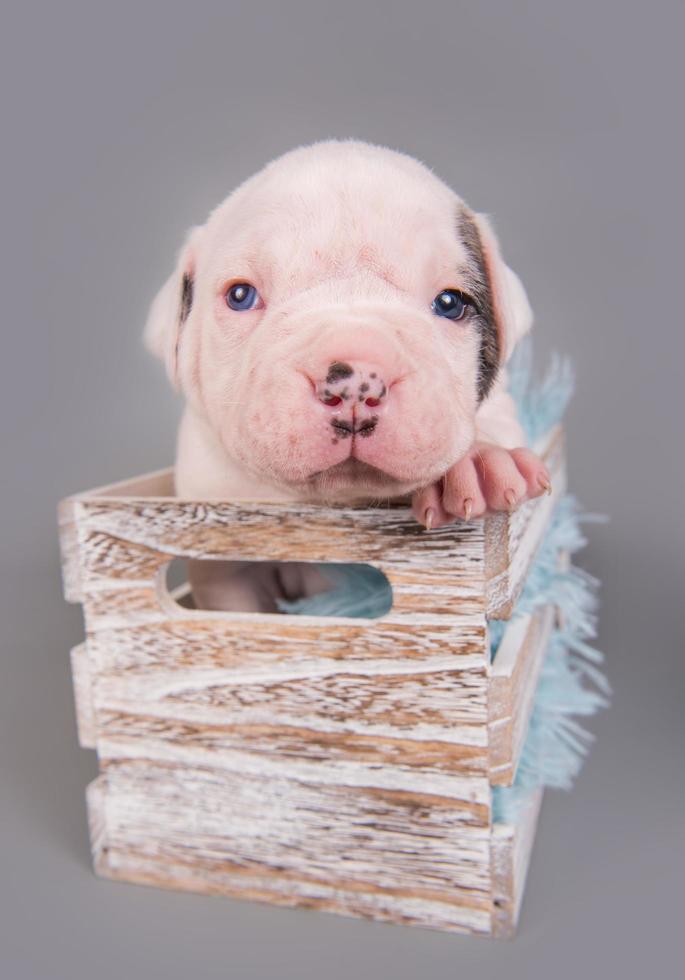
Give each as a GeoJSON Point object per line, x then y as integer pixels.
{"type": "Point", "coordinates": [186, 297]}
{"type": "Point", "coordinates": [482, 292]}
{"type": "Point", "coordinates": [186, 305]}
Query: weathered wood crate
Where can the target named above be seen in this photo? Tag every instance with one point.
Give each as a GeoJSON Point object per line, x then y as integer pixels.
{"type": "Point", "coordinates": [333, 763]}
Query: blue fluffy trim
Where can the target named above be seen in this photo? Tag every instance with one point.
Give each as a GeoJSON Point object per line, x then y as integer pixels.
{"type": "Point", "coordinates": [359, 591]}
{"type": "Point", "coordinates": [571, 684]}
{"type": "Point", "coordinates": [540, 403]}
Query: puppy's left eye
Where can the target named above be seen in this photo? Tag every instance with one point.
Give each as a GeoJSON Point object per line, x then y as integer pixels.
{"type": "Point", "coordinates": [450, 303]}
{"type": "Point", "coordinates": [242, 296]}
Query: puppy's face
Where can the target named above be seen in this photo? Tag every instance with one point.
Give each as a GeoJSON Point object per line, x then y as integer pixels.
{"type": "Point", "coordinates": [338, 321]}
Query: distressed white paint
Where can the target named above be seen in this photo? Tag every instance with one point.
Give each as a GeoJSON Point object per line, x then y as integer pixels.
{"type": "Point", "coordinates": [334, 763]}
{"type": "Point", "coordinates": [513, 682]}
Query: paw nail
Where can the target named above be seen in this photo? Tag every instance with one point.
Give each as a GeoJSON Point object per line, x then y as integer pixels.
{"type": "Point", "coordinates": [429, 517]}
{"type": "Point", "coordinates": [545, 484]}
{"type": "Point", "coordinates": [510, 499]}
{"type": "Point", "coordinates": [468, 509]}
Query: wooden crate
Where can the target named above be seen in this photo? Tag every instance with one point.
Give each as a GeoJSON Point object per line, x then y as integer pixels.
{"type": "Point", "coordinates": [333, 763]}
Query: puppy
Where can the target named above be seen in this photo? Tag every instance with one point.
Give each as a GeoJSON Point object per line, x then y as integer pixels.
{"type": "Point", "coordinates": [339, 328]}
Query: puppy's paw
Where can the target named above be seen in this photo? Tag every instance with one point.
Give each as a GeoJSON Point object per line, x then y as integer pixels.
{"type": "Point", "coordinates": [487, 480]}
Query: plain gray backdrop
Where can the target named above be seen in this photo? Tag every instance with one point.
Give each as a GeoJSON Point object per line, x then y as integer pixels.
{"type": "Point", "coordinates": [123, 124]}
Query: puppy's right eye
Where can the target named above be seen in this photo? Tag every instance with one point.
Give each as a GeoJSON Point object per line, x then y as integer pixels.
{"type": "Point", "coordinates": [450, 303]}
{"type": "Point", "coordinates": [242, 296]}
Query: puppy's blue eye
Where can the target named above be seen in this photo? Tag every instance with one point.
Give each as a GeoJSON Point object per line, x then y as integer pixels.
{"type": "Point", "coordinates": [242, 296]}
{"type": "Point", "coordinates": [450, 303]}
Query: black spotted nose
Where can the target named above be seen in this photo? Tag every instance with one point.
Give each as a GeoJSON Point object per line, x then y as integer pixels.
{"type": "Point", "coordinates": [351, 385]}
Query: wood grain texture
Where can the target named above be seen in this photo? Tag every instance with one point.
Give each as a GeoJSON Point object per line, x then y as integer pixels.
{"type": "Point", "coordinates": [84, 701]}
{"type": "Point", "coordinates": [335, 763]}
{"type": "Point", "coordinates": [512, 845]}
{"type": "Point", "coordinates": [333, 844]}
{"type": "Point", "coordinates": [513, 681]}
{"type": "Point", "coordinates": [68, 542]}
{"type": "Point", "coordinates": [354, 851]}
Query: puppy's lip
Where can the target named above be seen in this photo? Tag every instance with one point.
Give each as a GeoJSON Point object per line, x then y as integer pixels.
{"type": "Point", "coordinates": [351, 467]}
{"type": "Point", "coordinates": [354, 473]}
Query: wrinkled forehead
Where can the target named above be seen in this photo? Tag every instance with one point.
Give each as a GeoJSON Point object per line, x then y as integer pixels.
{"type": "Point", "coordinates": [297, 230]}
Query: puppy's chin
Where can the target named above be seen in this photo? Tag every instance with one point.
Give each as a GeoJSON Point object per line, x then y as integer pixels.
{"type": "Point", "coordinates": [354, 480]}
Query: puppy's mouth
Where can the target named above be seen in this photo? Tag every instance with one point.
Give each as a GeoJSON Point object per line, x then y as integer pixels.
{"type": "Point", "coordinates": [356, 479]}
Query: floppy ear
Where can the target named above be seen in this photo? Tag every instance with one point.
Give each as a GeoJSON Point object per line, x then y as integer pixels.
{"type": "Point", "coordinates": [172, 306]}
{"type": "Point", "coordinates": [505, 311]}
{"type": "Point", "coordinates": [512, 310]}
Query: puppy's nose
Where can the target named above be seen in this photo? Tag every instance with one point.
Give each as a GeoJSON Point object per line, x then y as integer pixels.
{"type": "Point", "coordinates": [352, 384]}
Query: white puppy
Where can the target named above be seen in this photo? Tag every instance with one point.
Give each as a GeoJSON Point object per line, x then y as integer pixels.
{"type": "Point", "coordinates": [339, 328]}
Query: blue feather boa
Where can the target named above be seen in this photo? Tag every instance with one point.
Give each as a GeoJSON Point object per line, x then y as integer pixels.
{"type": "Point", "coordinates": [571, 683]}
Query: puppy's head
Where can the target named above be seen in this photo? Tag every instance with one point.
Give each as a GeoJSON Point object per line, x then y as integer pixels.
{"type": "Point", "coordinates": [338, 320]}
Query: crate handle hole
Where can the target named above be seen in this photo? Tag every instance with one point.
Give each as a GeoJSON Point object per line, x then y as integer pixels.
{"type": "Point", "coordinates": [331, 589]}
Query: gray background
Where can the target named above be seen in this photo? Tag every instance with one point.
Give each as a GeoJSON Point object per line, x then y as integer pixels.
{"type": "Point", "coordinates": [125, 123]}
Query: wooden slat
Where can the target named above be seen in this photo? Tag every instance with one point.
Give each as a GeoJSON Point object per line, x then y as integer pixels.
{"type": "Point", "coordinates": [357, 849]}
{"type": "Point", "coordinates": [67, 516]}
{"type": "Point", "coordinates": [426, 704]}
{"type": "Point", "coordinates": [513, 682]}
{"type": "Point", "coordinates": [274, 644]}
{"type": "Point", "coordinates": [96, 801]}
{"type": "Point", "coordinates": [139, 833]}
{"type": "Point", "coordinates": [466, 797]}
{"type": "Point", "coordinates": [277, 532]}
{"type": "Point", "coordinates": [511, 850]}
{"type": "Point", "coordinates": [164, 737]}
{"type": "Point", "coordinates": [469, 913]}
{"type": "Point", "coordinates": [83, 696]}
